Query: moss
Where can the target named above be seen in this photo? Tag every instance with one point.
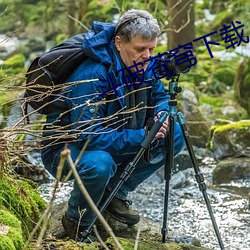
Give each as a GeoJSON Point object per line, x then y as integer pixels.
{"type": "Point", "coordinates": [22, 200]}
{"type": "Point", "coordinates": [6, 243]}
{"type": "Point", "coordinates": [13, 71]}
{"type": "Point", "coordinates": [225, 75]}
{"type": "Point", "coordinates": [238, 128]}
{"type": "Point", "coordinates": [234, 125]}
{"type": "Point", "coordinates": [128, 244]}
{"type": "Point", "coordinates": [16, 237]}
{"type": "Point", "coordinates": [214, 101]}
{"type": "Point", "coordinates": [16, 61]}
{"type": "Point", "coordinates": [9, 219]}
{"type": "Point", "coordinates": [13, 239]}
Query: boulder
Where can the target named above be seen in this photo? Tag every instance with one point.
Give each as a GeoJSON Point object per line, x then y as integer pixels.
{"type": "Point", "coordinates": [150, 235]}
{"type": "Point", "coordinates": [231, 169]}
{"type": "Point", "coordinates": [230, 140]}
{"type": "Point", "coordinates": [197, 125]}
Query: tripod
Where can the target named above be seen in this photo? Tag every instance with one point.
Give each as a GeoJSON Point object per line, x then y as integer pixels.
{"type": "Point", "coordinates": [169, 163]}
{"type": "Point", "coordinates": [173, 90]}
{"type": "Point", "coordinates": [129, 169]}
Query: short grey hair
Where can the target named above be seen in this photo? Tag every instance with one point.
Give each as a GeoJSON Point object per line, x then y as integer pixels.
{"type": "Point", "coordinates": [137, 22]}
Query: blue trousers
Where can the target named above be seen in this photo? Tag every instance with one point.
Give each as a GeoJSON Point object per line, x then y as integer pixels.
{"type": "Point", "coordinates": [100, 170]}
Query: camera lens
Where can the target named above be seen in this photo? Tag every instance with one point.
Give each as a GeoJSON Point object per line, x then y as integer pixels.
{"type": "Point", "coordinates": [182, 62]}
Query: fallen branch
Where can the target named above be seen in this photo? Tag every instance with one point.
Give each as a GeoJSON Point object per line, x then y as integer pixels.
{"type": "Point", "coordinates": [66, 155]}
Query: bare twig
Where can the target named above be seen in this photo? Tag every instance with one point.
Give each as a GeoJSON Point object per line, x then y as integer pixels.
{"type": "Point", "coordinates": [66, 154]}
{"type": "Point", "coordinates": [77, 21]}
{"type": "Point", "coordinates": [99, 238]}
{"type": "Point", "coordinates": [137, 236]}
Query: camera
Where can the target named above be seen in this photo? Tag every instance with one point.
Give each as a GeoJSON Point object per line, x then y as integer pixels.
{"type": "Point", "coordinates": [171, 65]}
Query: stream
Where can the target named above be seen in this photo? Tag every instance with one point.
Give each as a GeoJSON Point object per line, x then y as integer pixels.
{"type": "Point", "coordinates": [187, 212]}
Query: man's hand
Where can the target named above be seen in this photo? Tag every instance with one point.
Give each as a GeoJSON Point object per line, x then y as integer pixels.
{"type": "Point", "coordinates": [164, 128]}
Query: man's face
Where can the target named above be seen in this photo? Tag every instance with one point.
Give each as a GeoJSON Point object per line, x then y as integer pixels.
{"type": "Point", "coordinates": [138, 50]}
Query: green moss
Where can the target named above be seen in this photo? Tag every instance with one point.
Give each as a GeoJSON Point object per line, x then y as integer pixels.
{"type": "Point", "coordinates": [16, 61]}
{"type": "Point", "coordinates": [13, 71]}
{"type": "Point", "coordinates": [224, 75]}
{"type": "Point", "coordinates": [9, 219]}
{"type": "Point", "coordinates": [235, 125]}
{"type": "Point", "coordinates": [13, 239]}
{"type": "Point", "coordinates": [6, 243]}
{"type": "Point", "coordinates": [214, 101]}
{"type": "Point", "coordinates": [128, 244]}
{"type": "Point", "coordinates": [22, 200]}
{"type": "Point", "coordinates": [16, 237]}
{"type": "Point", "coordinates": [239, 128]}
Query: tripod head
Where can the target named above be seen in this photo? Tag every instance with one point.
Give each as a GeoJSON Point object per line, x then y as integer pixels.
{"type": "Point", "coordinates": [174, 89]}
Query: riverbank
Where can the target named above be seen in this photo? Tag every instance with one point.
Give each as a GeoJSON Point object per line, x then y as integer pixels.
{"type": "Point", "coordinates": [188, 216]}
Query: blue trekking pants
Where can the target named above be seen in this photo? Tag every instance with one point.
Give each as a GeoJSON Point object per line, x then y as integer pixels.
{"type": "Point", "coordinates": [99, 170]}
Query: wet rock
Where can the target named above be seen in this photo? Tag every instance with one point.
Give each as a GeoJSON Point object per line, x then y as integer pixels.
{"type": "Point", "coordinates": [231, 169]}
{"type": "Point", "coordinates": [197, 125]}
{"type": "Point", "coordinates": [150, 234]}
{"type": "Point", "coordinates": [181, 179]}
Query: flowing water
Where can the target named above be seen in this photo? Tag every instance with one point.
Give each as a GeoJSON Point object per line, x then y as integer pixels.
{"type": "Point", "coordinates": [187, 212]}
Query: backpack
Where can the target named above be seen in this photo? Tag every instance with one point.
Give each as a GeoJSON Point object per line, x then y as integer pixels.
{"type": "Point", "coordinates": [47, 74]}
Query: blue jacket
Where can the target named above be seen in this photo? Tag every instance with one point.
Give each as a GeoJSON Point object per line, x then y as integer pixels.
{"type": "Point", "coordinates": [93, 115]}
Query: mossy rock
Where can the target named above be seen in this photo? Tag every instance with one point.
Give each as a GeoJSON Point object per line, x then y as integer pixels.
{"type": "Point", "coordinates": [21, 199]}
{"type": "Point", "coordinates": [219, 107]}
{"type": "Point", "coordinates": [232, 139]}
{"type": "Point", "coordinates": [128, 244]}
{"type": "Point", "coordinates": [150, 235]}
{"type": "Point", "coordinates": [11, 237]}
{"type": "Point", "coordinates": [224, 75]}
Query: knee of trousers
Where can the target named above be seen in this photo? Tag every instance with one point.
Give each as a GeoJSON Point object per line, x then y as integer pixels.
{"type": "Point", "coordinates": [179, 142]}
{"type": "Point", "coordinates": [97, 165]}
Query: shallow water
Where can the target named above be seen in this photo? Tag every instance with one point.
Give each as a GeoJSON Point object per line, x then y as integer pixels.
{"type": "Point", "coordinates": [187, 212]}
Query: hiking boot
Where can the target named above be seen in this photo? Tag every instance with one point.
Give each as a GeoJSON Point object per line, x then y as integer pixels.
{"type": "Point", "coordinates": [121, 211]}
{"type": "Point", "coordinates": [75, 231]}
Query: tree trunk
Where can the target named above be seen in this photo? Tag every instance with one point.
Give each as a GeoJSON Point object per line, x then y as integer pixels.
{"type": "Point", "coordinates": [72, 13]}
{"type": "Point", "coordinates": [181, 22]}
{"type": "Point", "coordinates": [83, 7]}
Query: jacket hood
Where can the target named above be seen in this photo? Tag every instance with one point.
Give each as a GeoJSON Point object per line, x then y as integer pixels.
{"type": "Point", "coordinates": [98, 42]}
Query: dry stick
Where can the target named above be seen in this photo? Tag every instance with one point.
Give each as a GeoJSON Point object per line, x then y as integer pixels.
{"type": "Point", "coordinates": [66, 154]}
{"type": "Point", "coordinates": [99, 238]}
{"type": "Point", "coordinates": [45, 217]}
{"type": "Point", "coordinates": [137, 236]}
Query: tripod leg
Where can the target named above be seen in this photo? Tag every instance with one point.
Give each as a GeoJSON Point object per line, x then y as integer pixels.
{"type": "Point", "coordinates": [168, 173]}
{"type": "Point", "coordinates": [199, 176]}
{"type": "Point", "coordinates": [129, 168]}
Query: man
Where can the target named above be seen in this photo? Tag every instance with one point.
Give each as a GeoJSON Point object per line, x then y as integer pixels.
{"type": "Point", "coordinates": [108, 115]}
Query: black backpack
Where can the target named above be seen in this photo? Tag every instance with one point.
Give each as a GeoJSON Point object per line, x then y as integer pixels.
{"type": "Point", "coordinates": [47, 74]}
